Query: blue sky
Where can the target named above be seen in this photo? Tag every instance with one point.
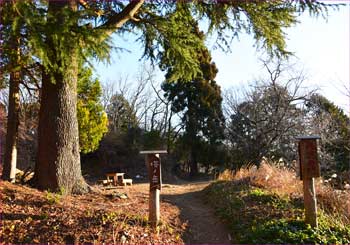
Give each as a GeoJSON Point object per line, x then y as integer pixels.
{"type": "Point", "coordinates": [321, 48]}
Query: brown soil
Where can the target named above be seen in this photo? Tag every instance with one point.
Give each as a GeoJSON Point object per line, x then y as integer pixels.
{"type": "Point", "coordinates": [203, 226]}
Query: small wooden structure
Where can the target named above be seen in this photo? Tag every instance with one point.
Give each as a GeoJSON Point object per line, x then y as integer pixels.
{"type": "Point", "coordinates": [115, 178]}
{"type": "Point", "coordinates": [309, 169]}
{"type": "Point", "coordinates": [126, 182]}
{"type": "Point", "coordinates": [153, 163]}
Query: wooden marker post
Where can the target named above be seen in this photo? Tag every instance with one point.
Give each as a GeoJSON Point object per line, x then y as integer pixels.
{"type": "Point", "coordinates": [153, 164]}
{"type": "Point", "coordinates": [309, 169]}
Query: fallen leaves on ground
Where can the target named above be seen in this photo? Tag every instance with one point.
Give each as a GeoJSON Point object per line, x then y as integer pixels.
{"type": "Point", "coordinates": [32, 216]}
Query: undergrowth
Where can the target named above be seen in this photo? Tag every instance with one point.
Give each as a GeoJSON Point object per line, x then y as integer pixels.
{"type": "Point", "coordinates": [265, 205]}
{"type": "Point", "coordinates": [296, 231]}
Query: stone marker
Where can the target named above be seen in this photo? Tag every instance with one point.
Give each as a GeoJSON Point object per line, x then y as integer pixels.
{"type": "Point", "coordinates": [153, 163]}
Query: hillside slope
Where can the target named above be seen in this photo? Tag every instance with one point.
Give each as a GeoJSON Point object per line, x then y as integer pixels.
{"type": "Point", "coordinates": [265, 205]}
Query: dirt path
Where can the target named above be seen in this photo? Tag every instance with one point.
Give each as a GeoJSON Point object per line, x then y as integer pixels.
{"type": "Point", "coordinates": [203, 226]}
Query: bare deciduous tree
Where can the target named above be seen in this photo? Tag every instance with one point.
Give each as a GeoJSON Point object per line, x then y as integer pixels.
{"type": "Point", "coordinates": [269, 117]}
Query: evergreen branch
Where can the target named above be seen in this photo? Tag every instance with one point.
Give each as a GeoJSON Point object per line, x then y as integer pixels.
{"type": "Point", "coordinates": [85, 5]}
{"type": "Point", "coordinates": [118, 20]}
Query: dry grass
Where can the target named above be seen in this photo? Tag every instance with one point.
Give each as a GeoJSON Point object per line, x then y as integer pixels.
{"type": "Point", "coordinates": [280, 180]}
{"type": "Point", "coordinates": [285, 182]}
{"type": "Point", "coordinates": [335, 202]}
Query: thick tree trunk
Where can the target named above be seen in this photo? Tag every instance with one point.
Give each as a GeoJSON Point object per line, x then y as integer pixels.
{"type": "Point", "coordinates": [10, 161]}
{"type": "Point", "coordinates": [58, 163]}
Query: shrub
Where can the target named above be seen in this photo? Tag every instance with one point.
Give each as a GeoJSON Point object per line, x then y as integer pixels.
{"type": "Point", "coordinates": [265, 205]}
{"type": "Point", "coordinates": [285, 182]}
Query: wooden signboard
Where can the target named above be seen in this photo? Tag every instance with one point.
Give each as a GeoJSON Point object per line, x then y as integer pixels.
{"type": "Point", "coordinates": [154, 168]}
{"type": "Point", "coordinates": [153, 164]}
{"type": "Point", "coordinates": [309, 169]}
{"type": "Point", "coordinates": [308, 160]}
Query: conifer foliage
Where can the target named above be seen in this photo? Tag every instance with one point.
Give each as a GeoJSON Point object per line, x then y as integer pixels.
{"type": "Point", "coordinates": [60, 34]}
{"type": "Point", "coordinates": [15, 64]}
{"type": "Point", "coordinates": [199, 101]}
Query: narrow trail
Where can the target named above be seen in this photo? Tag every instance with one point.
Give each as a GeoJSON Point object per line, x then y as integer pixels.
{"type": "Point", "coordinates": [203, 226]}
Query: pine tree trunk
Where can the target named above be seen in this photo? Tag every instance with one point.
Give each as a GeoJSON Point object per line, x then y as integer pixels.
{"type": "Point", "coordinates": [192, 137]}
{"type": "Point", "coordinates": [58, 165]}
{"type": "Point", "coordinates": [193, 163]}
{"type": "Point", "coordinates": [10, 161]}
{"type": "Point", "coordinates": [58, 162]}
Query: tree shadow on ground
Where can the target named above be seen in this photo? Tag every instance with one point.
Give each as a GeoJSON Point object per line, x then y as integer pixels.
{"type": "Point", "coordinates": [19, 216]}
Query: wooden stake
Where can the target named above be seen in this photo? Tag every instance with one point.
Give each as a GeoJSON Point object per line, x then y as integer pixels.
{"type": "Point", "coordinates": [153, 164]}
{"type": "Point", "coordinates": [309, 169]}
{"type": "Point", "coordinates": [310, 202]}
{"type": "Point", "coordinates": [154, 208]}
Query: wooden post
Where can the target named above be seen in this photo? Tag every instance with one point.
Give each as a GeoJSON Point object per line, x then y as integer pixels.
{"type": "Point", "coordinates": [309, 169]}
{"type": "Point", "coordinates": [153, 164]}
{"type": "Point", "coordinates": [154, 207]}
{"type": "Point", "coordinates": [310, 202]}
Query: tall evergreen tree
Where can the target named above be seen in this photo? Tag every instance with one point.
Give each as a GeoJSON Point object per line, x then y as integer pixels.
{"type": "Point", "coordinates": [12, 57]}
{"type": "Point", "coordinates": [62, 32]}
{"type": "Point", "coordinates": [200, 102]}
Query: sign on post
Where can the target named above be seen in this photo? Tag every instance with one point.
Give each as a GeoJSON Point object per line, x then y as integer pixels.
{"type": "Point", "coordinates": [153, 163]}
{"type": "Point", "coordinates": [155, 178]}
{"type": "Point", "coordinates": [309, 166]}
{"type": "Point", "coordinates": [309, 169]}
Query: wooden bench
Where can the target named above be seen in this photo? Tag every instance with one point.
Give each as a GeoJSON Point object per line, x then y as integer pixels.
{"type": "Point", "coordinates": [105, 182]}
{"type": "Point", "coordinates": [127, 181]}
{"type": "Point", "coordinates": [115, 177]}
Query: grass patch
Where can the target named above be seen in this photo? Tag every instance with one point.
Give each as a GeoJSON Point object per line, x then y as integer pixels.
{"type": "Point", "coordinates": [296, 231]}
{"type": "Point", "coordinates": [284, 182]}
{"type": "Point", "coordinates": [258, 215]}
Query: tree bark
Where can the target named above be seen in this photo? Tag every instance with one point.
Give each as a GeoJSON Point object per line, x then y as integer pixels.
{"type": "Point", "coordinates": [193, 163]}
{"type": "Point", "coordinates": [192, 140]}
{"type": "Point", "coordinates": [58, 162]}
{"type": "Point", "coordinates": [10, 161]}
